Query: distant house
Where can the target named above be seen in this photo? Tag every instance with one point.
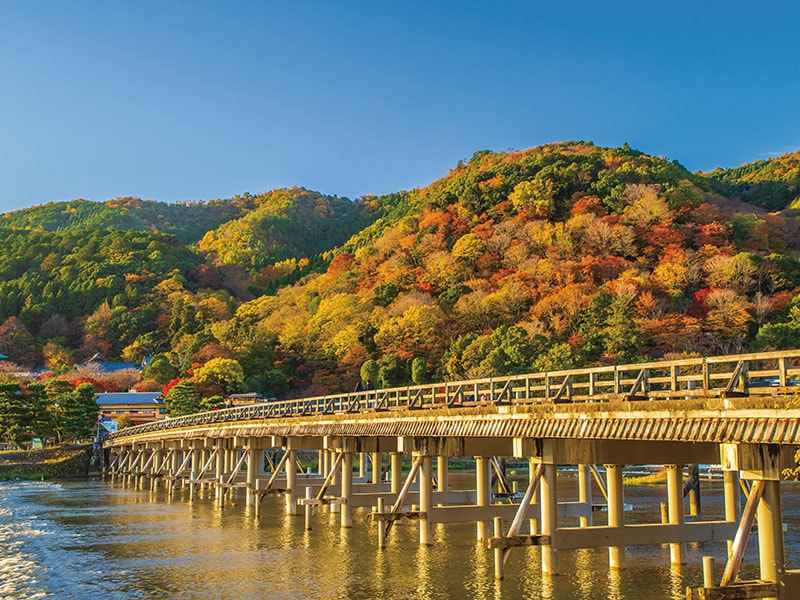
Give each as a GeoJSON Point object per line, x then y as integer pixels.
{"type": "Point", "coordinates": [142, 407]}
{"type": "Point", "coordinates": [102, 365]}
{"type": "Point", "coordinates": [247, 398]}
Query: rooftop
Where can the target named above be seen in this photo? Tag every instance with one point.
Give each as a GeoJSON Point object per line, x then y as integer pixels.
{"type": "Point", "coordinates": [127, 398]}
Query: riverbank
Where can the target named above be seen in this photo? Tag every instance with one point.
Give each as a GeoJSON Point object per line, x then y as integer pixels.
{"type": "Point", "coordinates": [50, 463]}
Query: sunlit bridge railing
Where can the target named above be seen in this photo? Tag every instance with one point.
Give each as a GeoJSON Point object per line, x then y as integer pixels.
{"type": "Point", "coordinates": [766, 373]}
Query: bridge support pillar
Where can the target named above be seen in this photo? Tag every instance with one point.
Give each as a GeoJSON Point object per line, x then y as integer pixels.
{"type": "Point", "coordinates": [483, 490]}
{"type": "Point", "coordinates": [219, 470]}
{"type": "Point", "coordinates": [677, 551]}
{"type": "Point", "coordinates": [255, 466]}
{"type": "Point", "coordinates": [441, 474]}
{"type": "Point", "coordinates": [425, 500]}
{"type": "Point", "coordinates": [204, 454]}
{"type": "Point", "coordinates": [770, 534]}
{"type": "Point", "coordinates": [549, 517]}
{"type": "Point", "coordinates": [376, 468]}
{"type": "Point", "coordinates": [533, 523]}
{"type": "Point", "coordinates": [174, 465]}
{"type": "Point", "coordinates": [334, 507]}
{"type": "Point", "coordinates": [362, 465]}
{"type": "Point", "coordinates": [326, 462]}
{"type": "Point", "coordinates": [196, 462]}
{"type": "Point", "coordinates": [616, 512]}
{"type": "Point", "coordinates": [123, 459]}
{"type": "Point", "coordinates": [585, 494]}
{"type": "Point", "coordinates": [291, 482]}
{"type": "Point", "coordinates": [347, 490]}
{"type": "Point", "coordinates": [397, 471]}
{"type": "Point", "coordinates": [155, 463]}
{"type": "Point", "coordinates": [733, 506]}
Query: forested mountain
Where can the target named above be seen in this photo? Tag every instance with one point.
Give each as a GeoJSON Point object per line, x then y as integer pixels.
{"type": "Point", "coordinates": [188, 221]}
{"type": "Point", "coordinates": [284, 226]}
{"type": "Point", "coordinates": [773, 184]}
{"type": "Point", "coordinates": [561, 255]}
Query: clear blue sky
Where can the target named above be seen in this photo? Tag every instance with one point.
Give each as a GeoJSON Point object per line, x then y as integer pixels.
{"type": "Point", "coordinates": [190, 100]}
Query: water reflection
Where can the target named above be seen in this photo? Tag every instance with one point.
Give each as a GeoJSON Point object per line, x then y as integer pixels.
{"type": "Point", "coordinates": [81, 539]}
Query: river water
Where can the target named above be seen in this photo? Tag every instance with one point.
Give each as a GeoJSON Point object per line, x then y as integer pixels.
{"type": "Point", "coordinates": [83, 539]}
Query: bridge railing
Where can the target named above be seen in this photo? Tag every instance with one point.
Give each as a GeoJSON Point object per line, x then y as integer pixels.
{"type": "Point", "coordinates": [774, 373]}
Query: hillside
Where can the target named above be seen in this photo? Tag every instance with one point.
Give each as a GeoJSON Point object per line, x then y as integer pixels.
{"type": "Point", "coordinates": [284, 225]}
{"type": "Point", "coordinates": [564, 254]}
{"type": "Point", "coordinates": [559, 255]}
{"type": "Point", "coordinates": [773, 184]}
{"type": "Point", "coordinates": [187, 221]}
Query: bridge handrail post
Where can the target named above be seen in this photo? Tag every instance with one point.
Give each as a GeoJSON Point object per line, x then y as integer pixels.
{"type": "Point", "coordinates": [783, 378]}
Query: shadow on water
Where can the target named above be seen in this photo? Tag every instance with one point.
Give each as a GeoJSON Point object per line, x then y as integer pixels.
{"type": "Point", "coordinates": [94, 538]}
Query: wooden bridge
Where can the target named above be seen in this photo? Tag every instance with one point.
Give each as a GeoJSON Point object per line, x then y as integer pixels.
{"type": "Point", "coordinates": [741, 412]}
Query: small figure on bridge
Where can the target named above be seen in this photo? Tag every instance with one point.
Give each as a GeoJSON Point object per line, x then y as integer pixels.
{"type": "Point", "coordinates": [368, 385]}
{"type": "Point", "coordinates": [359, 387]}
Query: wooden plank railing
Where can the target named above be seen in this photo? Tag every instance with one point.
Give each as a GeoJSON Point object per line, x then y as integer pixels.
{"type": "Point", "coordinates": [776, 373]}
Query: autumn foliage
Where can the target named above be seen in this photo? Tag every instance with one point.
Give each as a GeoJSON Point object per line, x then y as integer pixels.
{"type": "Point", "coordinates": [563, 255]}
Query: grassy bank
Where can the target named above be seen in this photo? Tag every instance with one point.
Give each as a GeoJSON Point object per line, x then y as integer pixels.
{"type": "Point", "coordinates": [50, 463]}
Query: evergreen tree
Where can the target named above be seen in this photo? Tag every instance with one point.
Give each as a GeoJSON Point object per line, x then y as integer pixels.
{"type": "Point", "coordinates": [58, 403]}
{"type": "Point", "coordinates": [13, 414]}
{"type": "Point", "coordinates": [42, 424]}
{"type": "Point", "coordinates": [183, 399]}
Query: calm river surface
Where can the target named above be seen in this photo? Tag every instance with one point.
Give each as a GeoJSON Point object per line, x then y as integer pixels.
{"type": "Point", "coordinates": [100, 539]}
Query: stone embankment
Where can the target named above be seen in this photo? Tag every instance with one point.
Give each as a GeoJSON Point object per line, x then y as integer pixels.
{"type": "Point", "coordinates": [51, 463]}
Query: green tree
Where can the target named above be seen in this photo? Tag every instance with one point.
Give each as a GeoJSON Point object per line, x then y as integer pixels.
{"type": "Point", "coordinates": [781, 336]}
{"type": "Point", "coordinates": [558, 357]}
{"type": "Point", "coordinates": [419, 370]}
{"type": "Point", "coordinates": [390, 371]}
{"type": "Point", "coordinates": [369, 371]}
{"type": "Point", "coordinates": [183, 399]}
{"type": "Point", "coordinates": [14, 415]}
{"type": "Point", "coordinates": [622, 335]}
{"type": "Point", "coordinates": [219, 376]}
{"type": "Point", "coordinates": [58, 401]}
{"type": "Point", "coordinates": [160, 369]}
{"type": "Point", "coordinates": [42, 424]}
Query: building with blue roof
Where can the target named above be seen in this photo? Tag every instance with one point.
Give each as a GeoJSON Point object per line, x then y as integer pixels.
{"type": "Point", "coordinates": [141, 407]}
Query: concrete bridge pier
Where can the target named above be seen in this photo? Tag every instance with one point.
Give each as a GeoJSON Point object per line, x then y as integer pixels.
{"type": "Point", "coordinates": [441, 474]}
{"type": "Point", "coordinates": [335, 507]}
{"type": "Point", "coordinates": [219, 470]}
{"type": "Point", "coordinates": [347, 490]}
{"type": "Point", "coordinates": [533, 522]}
{"type": "Point", "coordinates": [616, 512]}
{"type": "Point", "coordinates": [255, 467]}
{"type": "Point", "coordinates": [484, 492]}
{"type": "Point", "coordinates": [119, 469]}
{"type": "Point", "coordinates": [733, 505]}
{"type": "Point", "coordinates": [136, 463]}
{"type": "Point", "coordinates": [425, 499]}
{"type": "Point", "coordinates": [172, 469]}
{"type": "Point", "coordinates": [196, 460]}
{"type": "Point", "coordinates": [205, 454]}
{"type": "Point", "coordinates": [291, 481]}
{"type": "Point", "coordinates": [155, 469]}
{"type": "Point", "coordinates": [585, 494]}
{"type": "Point", "coordinates": [396, 460]}
{"type": "Point", "coordinates": [549, 517]}
{"type": "Point", "coordinates": [325, 463]}
{"type": "Point", "coordinates": [362, 465]}
{"type": "Point", "coordinates": [375, 463]}
{"type": "Point", "coordinates": [677, 551]}
{"type": "Point", "coordinates": [771, 557]}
